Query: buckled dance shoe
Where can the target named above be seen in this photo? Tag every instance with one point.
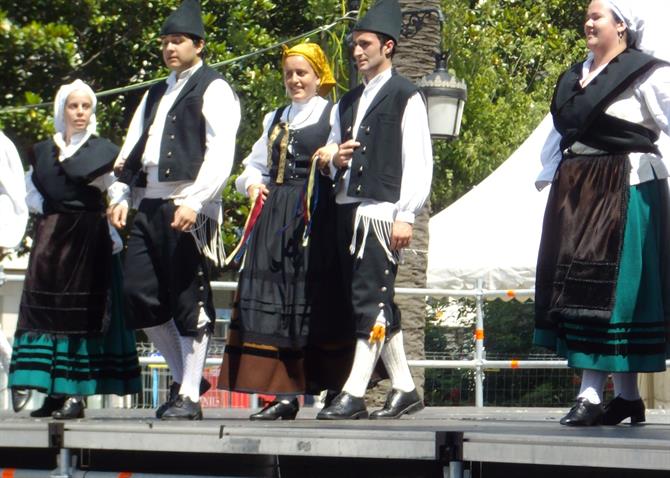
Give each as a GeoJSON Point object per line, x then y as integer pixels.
{"type": "Point", "coordinates": [344, 407]}
{"type": "Point", "coordinates": [71, 409]}
{"type": "Point", "coordinates": [174, 393]}
{"type": "Point", "coordinates": [618, 409]}
{"type": "Point", "coordinates": [397, 404]}
{"type": "Point", "coordinates": [20, 398]}
{"type": "Point", "coordinates": [584, 414]}
{"type": "Point", "coordinates": [50, 405]}
{"type": "Point", "coordinates": [275, 410]}
{"type": "Point", "coordinates": [183, 408]}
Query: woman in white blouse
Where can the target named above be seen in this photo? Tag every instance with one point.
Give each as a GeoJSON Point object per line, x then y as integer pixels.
{"type": "Point", "coordinates": [287, 308]}
{"type": "Point", "coordinates": [70, 339]}
{"type": "Point", "coordinates": [603, 289]}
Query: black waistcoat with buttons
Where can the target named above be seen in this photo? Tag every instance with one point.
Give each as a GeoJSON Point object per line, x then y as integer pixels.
{"type": "Point", "coordinates": [184, 134]}
{"type": "Point", "coordinates": [376, 166]}
{"type": "Point", "coordinates": [64, 185]}
{"type": "Point", "coordinates": [303, 143]}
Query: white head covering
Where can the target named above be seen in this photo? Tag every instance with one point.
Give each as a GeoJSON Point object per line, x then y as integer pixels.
{"type": "Point", "coordinates": [59, 106]}
{"type": "Point", "coordinates": [647, 19]}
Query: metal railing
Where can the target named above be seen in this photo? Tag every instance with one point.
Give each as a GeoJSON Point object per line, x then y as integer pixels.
{"type": "Point", "coordinates": [478, 363]}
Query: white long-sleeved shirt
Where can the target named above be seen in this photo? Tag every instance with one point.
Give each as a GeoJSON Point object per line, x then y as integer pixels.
{"type": "Point", "coordinates": [417, 157]}
{"type": "Point", "coordinates": [298, 115]}
{"type": "Point", "coordinates": [646, 102]}
{"type": "Point", "coordinates": [221, 110]}
{"type": "Point", "coordinates": [13, 209]}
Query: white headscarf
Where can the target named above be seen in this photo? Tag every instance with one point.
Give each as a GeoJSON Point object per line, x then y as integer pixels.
{"type": "Point", "coordinates": [59, 105]}
{"type": "Point", "coordinates": [648, 20]}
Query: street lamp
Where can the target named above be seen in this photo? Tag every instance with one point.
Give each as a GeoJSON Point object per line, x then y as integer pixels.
{"type": "Point", "coordinates": [445, 99]}
{"type": "Point", "coordinates": [445, 94]}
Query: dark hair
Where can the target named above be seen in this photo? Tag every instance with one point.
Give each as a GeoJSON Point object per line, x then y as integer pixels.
{"type": "Point", "coordinates": [383, 38]}
{"type": "Point", "coordinates": [196, 41]}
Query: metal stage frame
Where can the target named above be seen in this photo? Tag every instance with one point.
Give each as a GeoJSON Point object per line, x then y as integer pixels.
{"type": "Point", "coordinates": [446, 442]}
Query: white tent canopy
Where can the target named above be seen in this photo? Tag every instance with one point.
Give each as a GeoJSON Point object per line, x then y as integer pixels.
{"type": "Point", "coordinates": [493, 231]}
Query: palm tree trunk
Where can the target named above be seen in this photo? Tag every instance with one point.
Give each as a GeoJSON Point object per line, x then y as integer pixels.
{"type": "Point", "coordinates": [415, 58]}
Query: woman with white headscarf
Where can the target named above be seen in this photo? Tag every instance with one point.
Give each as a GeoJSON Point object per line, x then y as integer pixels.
{"type": "Point", "coordinates": [603, 284]}
{"type": "Point", "coordinates": [70, 340]}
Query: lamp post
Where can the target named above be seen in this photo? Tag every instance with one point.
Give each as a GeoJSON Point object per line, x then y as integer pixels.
{"type": "Point", "coordinates": [445, 94]}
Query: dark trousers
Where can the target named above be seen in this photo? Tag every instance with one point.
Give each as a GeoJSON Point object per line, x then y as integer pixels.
{"type": "Point", "coordinates": [369, 282]}
{"type": "Point", "coordinates": [165, 276]}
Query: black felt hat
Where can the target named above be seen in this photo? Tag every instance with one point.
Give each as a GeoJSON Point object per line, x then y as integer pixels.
{"type": "Point", "coordinates": [186, 19]}
{"type": "Point", "coordinates": [383, 17]}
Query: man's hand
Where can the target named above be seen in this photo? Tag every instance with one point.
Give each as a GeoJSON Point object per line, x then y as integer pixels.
{"type": "Point", "coordinates": [344, 154]}
{"type": "Point", "coordinates": [117, 215]}
{"type": "Point", "coordinates": [255, 189]}
{"type": "Point", "coordinates": [401, 235]}
{"type": "Point", "coordinates": [184, 218]}
{"type": "Point", "coordinates": [118, 166]}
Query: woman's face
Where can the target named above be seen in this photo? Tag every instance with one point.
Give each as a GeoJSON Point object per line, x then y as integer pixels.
{"type": "Point", "coordinates": [300, 79]}
{"type": "Point", "coordinates": [78, 111]}
{"type": "Point", "coordinates": [601, 29]}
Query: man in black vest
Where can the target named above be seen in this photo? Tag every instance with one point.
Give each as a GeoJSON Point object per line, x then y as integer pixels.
{"type": "Point", "coordinates": [383, 170]}
{"type": "Point", "coordinates": [179, 151]}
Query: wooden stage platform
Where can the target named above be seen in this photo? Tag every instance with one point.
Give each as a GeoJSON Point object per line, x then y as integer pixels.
{"type": "Point", "coordinates": [451, 442]}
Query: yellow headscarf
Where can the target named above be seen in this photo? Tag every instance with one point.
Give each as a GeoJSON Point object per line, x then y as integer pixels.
{"type": "Point", "coordinates": [317, 59]}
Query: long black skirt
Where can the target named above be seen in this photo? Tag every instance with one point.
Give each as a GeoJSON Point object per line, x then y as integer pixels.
{"type": "Point", "coordinates": [291, 332]}
{"type": "Point", "coordinates": [66, 290]}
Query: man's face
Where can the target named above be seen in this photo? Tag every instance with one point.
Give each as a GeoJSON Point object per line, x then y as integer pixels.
{"type": "Point", "coordinates": [370, 54]}
{"type": "Point", "coordinates": [180, 52]}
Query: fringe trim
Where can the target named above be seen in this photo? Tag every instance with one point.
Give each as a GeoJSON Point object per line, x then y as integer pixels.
{"type": "Point", "coordinates": [213, 248]}
{"type": "Point", "coordinates": [382, 230]}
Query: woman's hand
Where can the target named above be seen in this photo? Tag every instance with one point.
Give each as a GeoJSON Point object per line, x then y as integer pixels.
{"type": "Point", "coordinates": [323, 156]}
{"type": "Point", "coordinates": [255, 189]}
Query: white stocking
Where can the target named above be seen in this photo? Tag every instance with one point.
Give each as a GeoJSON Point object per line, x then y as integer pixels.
{"type": "Point", "coordinates": [395, 360]}
{"type": "Point", "coordinates": [625, 386]}
{"type": "Point", "coordinates": [167, 340]}
{"type": "Point", "coordinates": [365, 359]}
{"type": "Point", "coordinates": [195, 355]}
{"type": "Point", "coordinates": [593, 383]}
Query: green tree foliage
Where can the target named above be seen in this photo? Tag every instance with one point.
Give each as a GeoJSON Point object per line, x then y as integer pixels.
{"type": "Point", "coordinates": [509, 52]}
{"type": "Point", "coordinates": [113, 43]}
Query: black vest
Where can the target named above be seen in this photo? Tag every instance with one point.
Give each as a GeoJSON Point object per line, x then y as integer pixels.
{"type": "Point", "coordinates": [579, 113]}
{"type": "Point", "coordinates": [65, 185]}
{"type": "Point", "coordinates": [304, 142]}
{"type": "Point", "coordinates": [376, 166]}
{"type": "Point", "coordinates": [184, 134]}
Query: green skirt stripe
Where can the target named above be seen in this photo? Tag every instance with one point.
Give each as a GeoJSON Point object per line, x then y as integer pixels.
{"type": "Point", "coordinates": [80, 365]}
{"type": "Point", "coordinates": [635, 338]}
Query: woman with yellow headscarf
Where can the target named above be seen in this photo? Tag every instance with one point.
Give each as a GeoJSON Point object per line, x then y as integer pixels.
{"type": "Point", "coordinates": [287, 306]}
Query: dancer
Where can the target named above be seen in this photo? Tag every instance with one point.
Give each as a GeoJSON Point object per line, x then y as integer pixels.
{"type": "Point", "coordinates": [383, 170]}
{"type": "Point", "coordinates": [287, 336]}
{"type": "Point", "coordinates": [602, 293]}
{"type": "Point", "coordinates": [179, 150]}
{"type": "Point", "coordinates": [13, 219]}
{"type": "Point", "coordinates": [70, 338]}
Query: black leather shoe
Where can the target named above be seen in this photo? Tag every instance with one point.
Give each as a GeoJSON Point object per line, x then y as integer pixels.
{"type": "Point", "coordinates": [399, 403]}
{"type": "Point", "coordinates": [619, 409]}
{"type": "Point", "coordinates": [71, 409]}
{"type": "Point", "coordinates": [330, 396]}
{"type": "Point", "coordinates": [174, 393]}
{"type": "Point", "coordinates": [50, 405]}
{"type": "Point", "coordinates": [20, 398]}
{"type": "Point", "coordinates": [584, 414]}
{"type": "Point", "coordinates": [284, 409]}
{"type": "Point", "coordinates": [183, 409]}
{"type": "Point", "coordinates": [344, 407]}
